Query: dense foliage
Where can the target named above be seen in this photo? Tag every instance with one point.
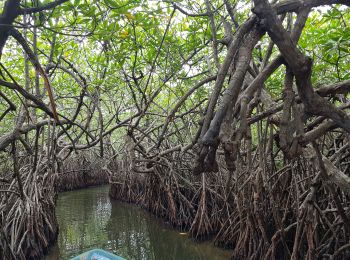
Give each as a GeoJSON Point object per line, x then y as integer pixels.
{"type": "Point", "coordinates": [228, 118]}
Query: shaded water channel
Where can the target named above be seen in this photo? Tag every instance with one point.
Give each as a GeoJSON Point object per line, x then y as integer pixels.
{"type": "Point", "coordinates": [88, 219]}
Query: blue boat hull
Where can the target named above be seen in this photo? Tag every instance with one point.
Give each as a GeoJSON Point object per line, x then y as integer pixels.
{"type": "Point", "coordinates": [97, 254]}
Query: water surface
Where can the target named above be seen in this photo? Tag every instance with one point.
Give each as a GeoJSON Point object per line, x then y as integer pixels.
{"type": "Point", "coordinates": [88, 219]}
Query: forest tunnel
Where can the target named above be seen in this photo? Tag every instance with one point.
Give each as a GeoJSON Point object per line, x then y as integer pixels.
{"type": "Point", "coordinates": [228, 119]}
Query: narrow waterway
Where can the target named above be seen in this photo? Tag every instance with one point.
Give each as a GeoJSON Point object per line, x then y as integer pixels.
{"type": "Point", "coordinates": [88, 219]}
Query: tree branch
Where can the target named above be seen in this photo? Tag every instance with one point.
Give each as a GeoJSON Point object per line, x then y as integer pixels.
{"type": "Point", "coordinates": [37, 9]}
{"type": "Point", "coordinates": [300, 64]}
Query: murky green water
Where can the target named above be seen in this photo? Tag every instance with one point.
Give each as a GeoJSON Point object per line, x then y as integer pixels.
{"type": "Point", "coordinates": [88, 219]}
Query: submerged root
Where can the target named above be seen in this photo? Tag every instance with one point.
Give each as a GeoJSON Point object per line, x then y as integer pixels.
{"type": "Point", "coordinates": [28, 225]}
{"type": "Point", "coordinates": [261, 211]}
{"type": "Point", "coordinates": [81, 171]}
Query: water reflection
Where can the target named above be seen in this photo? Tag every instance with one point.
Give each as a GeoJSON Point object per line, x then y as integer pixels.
{"type": "Point", "coordinates": [89, 220]}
